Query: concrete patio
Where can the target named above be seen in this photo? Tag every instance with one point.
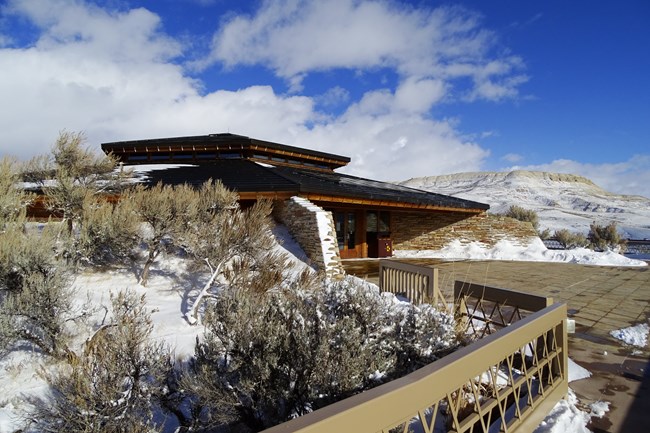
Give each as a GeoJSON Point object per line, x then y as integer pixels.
{"type": "Point", "coordinates": [600, 299]}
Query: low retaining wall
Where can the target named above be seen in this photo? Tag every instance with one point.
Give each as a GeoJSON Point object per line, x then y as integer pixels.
{"type": "Point", "coordinates": [426, 231]}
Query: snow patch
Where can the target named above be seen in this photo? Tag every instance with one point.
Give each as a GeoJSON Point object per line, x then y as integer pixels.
{"type": "Point", "coordinates": [565, 417]}
{"type": "Point", "coordinates": [633, 335]}
{"type": "Point", "coordinates": [535, 251]}
{"type": "Point", "coordinates": [576, 372]}
{"type": "Point", "coordinates": [599, 408]}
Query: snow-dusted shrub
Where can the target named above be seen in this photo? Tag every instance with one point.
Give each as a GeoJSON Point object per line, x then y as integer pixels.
{"type": "Point", "coordinates": [35, 297]}
{"type": "Point", "coordinates": [605, 237]}
{"type": "Point", "coordinates": [225, 241]}
{"type": "Point", "coordinates": [13, 198]}
{"type": "Point", "coordinates": [113, 385]}
{"type": "Point", "coordinates": [70, 173]}
{"type": "Point", "coordinates": [570, 240]}
{"type": "Point", "coordinates": [268, 357]}
{"type": "Point", "coordinates": [523, 214]}
{"type": "Point", "coordinates": [544, 234]}
{"type": "Point", "coordinates": [164, 210]}
{"type": "Point", "coordinates": [107, 233]}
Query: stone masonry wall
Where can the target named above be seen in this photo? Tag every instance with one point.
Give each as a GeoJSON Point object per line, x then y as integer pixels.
{"type": "Point", "coordinates": [313, 228]}
{"type": "Point", "coordinates": [427, 231]}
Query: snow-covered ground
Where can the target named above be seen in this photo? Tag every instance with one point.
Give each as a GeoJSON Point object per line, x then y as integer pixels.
{"type": "Point", "coordinates": [168, 294]}
{"type": "Point", "coordinates": [562, 201]}
{"type": "Point", "coordinates": [536, 251]}
{"type": "Point", "coordinates": [569, 415]}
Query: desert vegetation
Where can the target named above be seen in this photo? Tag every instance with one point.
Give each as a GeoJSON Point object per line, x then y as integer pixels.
{"type": "Point", "coordinates": [569, 240]}
{"type": "Point", "coordinates": [274, 344]}
{"type": "Point", "coordinates": [530, 216]}
{"type": "Point", "coordinates": [598, 238]}
{"type": "Point", "coordinates": [605, 237]}
{"type": "Point", "coordinates": [522, 214]}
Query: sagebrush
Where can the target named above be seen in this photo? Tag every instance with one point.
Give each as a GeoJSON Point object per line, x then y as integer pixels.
{"type": "Point", "coordinates": [112, 386]}
{"type": "Point", "coordinates": [269, 357]}
{"type": "Point", "coordinates": [606, 237]}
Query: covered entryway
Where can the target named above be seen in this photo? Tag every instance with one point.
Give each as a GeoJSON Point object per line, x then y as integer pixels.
{"type": "Point", "coordinates": [378, 234]}
{"type": "Point", "coordinates": [362, 233]}
{"type": "Point", "coordinates": [348, 233]}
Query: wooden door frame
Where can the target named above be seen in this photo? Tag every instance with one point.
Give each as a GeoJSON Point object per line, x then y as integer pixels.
{"type": "Point", "coordinates": [360, 249]}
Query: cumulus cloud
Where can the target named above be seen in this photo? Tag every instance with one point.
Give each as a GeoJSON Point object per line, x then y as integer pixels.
{"type": "Point", "coordinates": [117, 76]}
{"type": "Point", "coordinates": [393, 145]}
{"type": "Point", "coordinates": [88, 70]}
{"type": "Point", "coordinates": [332, 97]}
{"type": "Point", "coordinates": [297, 37]}
{"type": "Point", "coordinates": [626, 177]}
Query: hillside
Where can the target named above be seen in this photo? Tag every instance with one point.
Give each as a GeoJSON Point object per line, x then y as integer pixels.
{"type": "Point", "coordinates": [561, 200]}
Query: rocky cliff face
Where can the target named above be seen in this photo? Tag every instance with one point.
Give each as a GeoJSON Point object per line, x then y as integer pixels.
{"type": "Point", "coordinates": [561, 200]}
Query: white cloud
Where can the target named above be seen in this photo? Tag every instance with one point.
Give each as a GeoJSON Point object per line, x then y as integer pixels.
{"type": "Point", "coordinates": [116, 76]}
{"type": "Point", "coordinates": [335, 96]}
{"type": "Point", "coordinates": [112, 74]}
{"type": "Point", "coordinates": [626, 177]}
{"type": "Point", "coordinates": [89, 70]}
{"type": "Point", "coordinates": [390, 144]}
{"type": "Point", "coordinates": [297, 37]}
{"type": "Point", "coordinates": [418, 95]}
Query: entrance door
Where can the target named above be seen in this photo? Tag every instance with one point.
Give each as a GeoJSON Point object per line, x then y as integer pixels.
{"type": "Point", "coordinates": [346, 234]}
{"type": "Point", "coordinates": [377, 229]}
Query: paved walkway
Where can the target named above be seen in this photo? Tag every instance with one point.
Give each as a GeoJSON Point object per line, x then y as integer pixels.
{"type": "Point", "coordinates": [600, 299]}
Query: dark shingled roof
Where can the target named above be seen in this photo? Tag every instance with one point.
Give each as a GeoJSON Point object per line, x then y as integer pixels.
{"type": "Point", "coordinates": [248, 176]}
{"type": "Point", "coordinates": [239, 175]}
{"type": "Point", "coordinates": [211, 143]}
{"type": "Point", "coordinates": [342, 185]}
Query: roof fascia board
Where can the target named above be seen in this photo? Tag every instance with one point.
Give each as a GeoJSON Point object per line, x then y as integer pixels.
{"type": "Point", "coordinates": [222, 142]}
{"type": "Point", "coordinates": [395, 205]}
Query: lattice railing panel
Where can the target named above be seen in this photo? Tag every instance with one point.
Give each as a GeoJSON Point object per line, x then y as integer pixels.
{"type": "Point", "coordinates": [499, 398]}
{"type": "Point", "coordinates": [484, 317]}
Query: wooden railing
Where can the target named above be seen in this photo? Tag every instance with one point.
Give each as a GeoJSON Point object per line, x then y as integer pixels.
{"type": "Point", "coordinates": [506, 381]}
{"type": "Point", "coordinates": [418, 284]}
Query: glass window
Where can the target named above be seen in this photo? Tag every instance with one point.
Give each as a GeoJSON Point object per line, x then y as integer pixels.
{"type": "Point", "coordinates": [351, 230]}
{"type": "Point", "coordinates": [339, 219]}
{"type": "Point", "coordinates": [371, 221]}
{"type": "Point", "coordinates": [384, 222]}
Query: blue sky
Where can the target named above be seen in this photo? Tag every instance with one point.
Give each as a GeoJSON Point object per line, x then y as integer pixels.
{"type": "Point", "coordinates": [404, 88]}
